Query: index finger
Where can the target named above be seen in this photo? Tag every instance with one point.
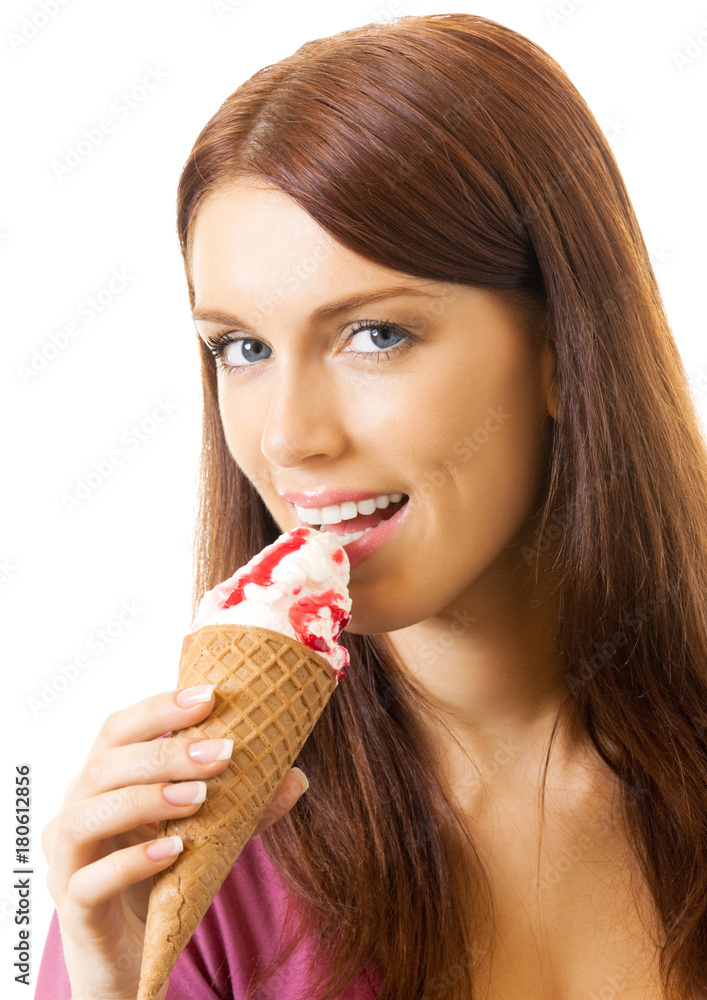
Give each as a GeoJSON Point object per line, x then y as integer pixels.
{"type": "Point", "coordinates": [155, 716]}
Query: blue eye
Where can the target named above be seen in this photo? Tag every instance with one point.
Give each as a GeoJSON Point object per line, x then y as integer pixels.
{"type": "Point", "coordinates": [233, 353]}
{"type": "Point", "coordinates": [243, 352]}
{"type": "Point", "coordinates": [237, 352]}
{"type": "Point", "coordinates": [379, 334]}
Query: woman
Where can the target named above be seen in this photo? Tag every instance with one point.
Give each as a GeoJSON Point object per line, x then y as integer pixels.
{"type": "Point", "coordinates": [508, 794]}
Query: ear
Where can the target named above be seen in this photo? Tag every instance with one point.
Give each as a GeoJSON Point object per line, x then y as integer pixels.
{"type": "Point", "coordinates": [548, 368]}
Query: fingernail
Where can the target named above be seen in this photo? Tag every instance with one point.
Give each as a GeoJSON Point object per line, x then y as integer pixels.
{"type": "Point", "coordinates": [188, 697]}
{"type": "Point", "coordinates": [185, 793]}
{"type": "Point", "coordinates": [164, 848]}
{"type": "Point", "coordinates": [207, 751]}
{"type": "Point", "coordinates": [302, 777]}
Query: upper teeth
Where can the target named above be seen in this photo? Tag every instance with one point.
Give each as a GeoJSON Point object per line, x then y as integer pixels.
{"type": "Point", "coordinates": [345, 511]}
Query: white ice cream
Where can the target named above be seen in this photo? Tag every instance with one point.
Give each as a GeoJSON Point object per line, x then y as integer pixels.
{"type": "Point", "coordinates": [302, 593]}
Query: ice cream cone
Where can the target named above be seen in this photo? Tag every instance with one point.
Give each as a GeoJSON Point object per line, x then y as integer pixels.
{"type": "Point", "coordinates": [270, 691]}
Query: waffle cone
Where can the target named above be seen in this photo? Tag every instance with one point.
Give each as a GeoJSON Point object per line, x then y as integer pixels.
{"type": "Point", "coordinates": [270, 691]}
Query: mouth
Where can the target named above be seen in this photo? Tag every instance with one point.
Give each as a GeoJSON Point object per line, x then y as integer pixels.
{"type": "Point", "coordinates": [351, 520]}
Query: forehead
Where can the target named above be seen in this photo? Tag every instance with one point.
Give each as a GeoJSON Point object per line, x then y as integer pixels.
{"type": "Point", "coordinates": [262, 232]}
{"type": "Point", "coordinates": [253, 239]}
{"type": "Point", "coordinates": [240, 210]}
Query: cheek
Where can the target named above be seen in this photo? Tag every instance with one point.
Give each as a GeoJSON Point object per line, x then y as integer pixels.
{"type": "Point", "coordinates": [498, 450]}
{"type": "Point", "coordinates": [229, 418]}
{"type": "Point", "coordinates": [451, 421]}
{"type": "Point", "coordinates": [241, 427]}
{"type": "Point", "coordinates": [505, 469]}
{"type": "Point", "coordinates": [478, 464]}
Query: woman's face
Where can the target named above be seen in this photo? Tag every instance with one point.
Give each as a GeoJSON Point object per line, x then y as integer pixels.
{"type": "Point", "coordinates": [437, 392]}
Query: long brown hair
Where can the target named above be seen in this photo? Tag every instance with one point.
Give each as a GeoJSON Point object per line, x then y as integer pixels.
{"type": "Point", "coordinates": [451, 148]}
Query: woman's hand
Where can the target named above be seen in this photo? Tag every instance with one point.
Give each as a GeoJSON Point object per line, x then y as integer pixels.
{"type": "Point", "coordinates": [99, 845]}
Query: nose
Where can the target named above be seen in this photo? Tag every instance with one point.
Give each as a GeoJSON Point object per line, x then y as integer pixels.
{"type": "Point", "coordinates": [304, 420]}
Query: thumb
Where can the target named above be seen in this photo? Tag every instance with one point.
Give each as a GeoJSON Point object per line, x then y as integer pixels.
{"type": "Point", "coordinates": [293, 785]}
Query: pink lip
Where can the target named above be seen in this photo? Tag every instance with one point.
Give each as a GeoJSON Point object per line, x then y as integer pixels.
{"type": "Point", "coordinates": [369, 543]}
{"type": "Point", "coordinates": [325, 498]}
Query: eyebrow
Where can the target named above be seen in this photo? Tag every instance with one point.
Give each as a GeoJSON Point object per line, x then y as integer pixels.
{"type": "Point", "coordinates": [328, 311]}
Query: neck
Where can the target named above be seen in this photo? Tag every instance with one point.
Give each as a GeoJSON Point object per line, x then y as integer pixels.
{"type": "Point", "coordinates": [488, 664]}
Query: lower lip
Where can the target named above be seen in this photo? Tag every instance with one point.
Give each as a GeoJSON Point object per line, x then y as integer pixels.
{"type": "Point", "coordinates": [369, 543]}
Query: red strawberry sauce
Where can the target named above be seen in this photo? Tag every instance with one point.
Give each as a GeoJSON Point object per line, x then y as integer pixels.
{"type": "Point", "coordinates": [306, 608]}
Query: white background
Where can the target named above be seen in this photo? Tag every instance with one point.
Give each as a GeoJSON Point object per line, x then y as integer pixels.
{"type": "Point", "coordinates": [66, 574]}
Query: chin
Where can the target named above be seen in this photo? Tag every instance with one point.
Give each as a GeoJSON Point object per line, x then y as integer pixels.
{"type": "Point", "coordinates": [379, 621]}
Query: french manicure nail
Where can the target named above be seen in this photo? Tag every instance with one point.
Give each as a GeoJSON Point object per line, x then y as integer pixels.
{"type": "Point", "coordinates": [164, 848]}
{"type": "Point", "coordinates": [304, 781]}
{"type": "Point", "coordinates": [207, 751]}
{"type": "Point", "coordinates": [185, 793]}
{"type": "Point", "coordinates": [189, 697]}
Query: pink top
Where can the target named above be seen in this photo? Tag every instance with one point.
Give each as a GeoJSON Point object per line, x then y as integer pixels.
{"type": "Point", "coordinates": [236, 939]}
